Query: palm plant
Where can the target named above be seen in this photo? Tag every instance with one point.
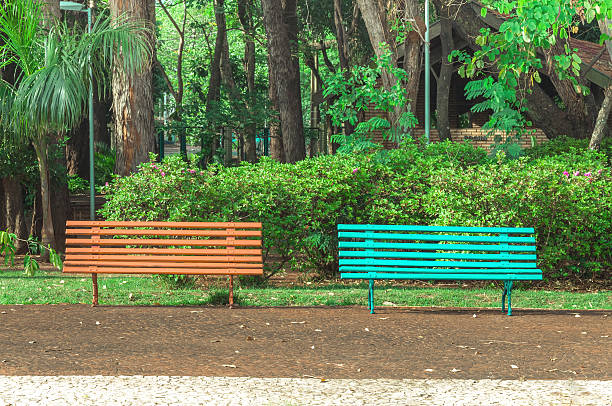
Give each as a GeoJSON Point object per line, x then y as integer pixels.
{"type": "Point", "coordinates": [51, 89]}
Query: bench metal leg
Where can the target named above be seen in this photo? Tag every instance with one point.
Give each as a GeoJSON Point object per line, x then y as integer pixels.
{"type": "Point", "coordinates": [371, 296]}
{"type": "Point", "coordinates": [507, 292]}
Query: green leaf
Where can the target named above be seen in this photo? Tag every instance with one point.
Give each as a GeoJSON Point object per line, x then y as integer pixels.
{"type": "Point", "coordinates": [483, 12]}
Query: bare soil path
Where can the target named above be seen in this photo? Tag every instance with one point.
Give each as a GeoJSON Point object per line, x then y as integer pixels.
{"type": "Point", "coordinates": [305, 342]}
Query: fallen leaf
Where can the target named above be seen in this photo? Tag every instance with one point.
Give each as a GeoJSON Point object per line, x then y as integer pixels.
{"type": "Point", "coordinates": [249, 338]}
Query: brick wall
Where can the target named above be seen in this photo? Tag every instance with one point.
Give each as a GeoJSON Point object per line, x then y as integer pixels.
{"type": "Point", "coordinates": [478, 137]}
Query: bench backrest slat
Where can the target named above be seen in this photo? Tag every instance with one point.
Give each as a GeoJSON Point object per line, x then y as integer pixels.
{"type": "Point", "coordinates": [435, 237]}
{"type": "Point", "coordinates": [436, 255]}
{"type": "Point", "coordinates": [435, 229]}
{"type": "Point", "coordinates": [162, 224]}
{"type": "Point", "coordinates": [434, 247]}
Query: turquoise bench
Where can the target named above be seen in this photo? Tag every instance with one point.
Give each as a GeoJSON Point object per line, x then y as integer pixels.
{"type": "Point", "coordinates": [373, 252]}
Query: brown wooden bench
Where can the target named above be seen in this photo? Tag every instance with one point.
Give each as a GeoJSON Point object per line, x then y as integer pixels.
{"type": "Point", "coordinates": [154, 247]}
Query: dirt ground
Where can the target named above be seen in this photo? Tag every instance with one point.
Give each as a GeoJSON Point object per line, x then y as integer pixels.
{"type": "Point", "coordinates": [322, 342]}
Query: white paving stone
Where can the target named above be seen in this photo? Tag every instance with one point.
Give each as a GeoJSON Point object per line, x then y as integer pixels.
{"type": "Point", "coordinates": [185, 390]}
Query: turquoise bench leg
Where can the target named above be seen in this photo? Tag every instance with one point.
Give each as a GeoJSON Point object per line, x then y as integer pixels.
{"type": "Point", "coordinates": [371, 296]}
{"type": "Point", "coordinates": [507, 292]}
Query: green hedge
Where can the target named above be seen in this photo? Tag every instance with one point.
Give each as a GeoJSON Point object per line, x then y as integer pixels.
{"type": "Point", "coordinates": [442, 184]}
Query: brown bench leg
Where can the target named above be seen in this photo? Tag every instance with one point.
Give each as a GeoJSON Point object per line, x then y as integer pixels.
{"type": "Point", "coordinates": [94, 280]}
{"type": "Point", "coordinates": [231, 291]}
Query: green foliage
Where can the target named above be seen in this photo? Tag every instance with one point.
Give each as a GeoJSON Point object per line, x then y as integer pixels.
{"type": "Point", "coordinates": [568, 148]}
{"type": "Point", "coordinates": [104, 165]}
{"type": "Point", "coordinates": [300, 205]}
{"type": "Point", "coordinates": [76, 184]}
{"type": "Point", "coordinates": [520, 50]}
{"type": "Point", "coordinates": [356, 92]}
{"type": "Point", "coordinates": [30, 265]}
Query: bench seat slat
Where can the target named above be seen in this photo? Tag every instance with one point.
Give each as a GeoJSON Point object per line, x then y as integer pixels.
{"type": "Point", "coordinates": [435, 255]}
{"type": "Point", "coordinates": [166, 271]}
{"type": "Point", "coordinates": [162, 251]}
{"type": "Point", "coordinates": [181, 233]}
{"type": "Point", "coordinates": [447, 229]}
{"type": "Point", "coordinates": [441, 276]}
{"type": "Point", "coordinates": [435, 237]}
{"type": "Point", "coordinates": [167, 258]}
{"type": "Point", "coordinates": [455, 264]}
{"type": "Point", "coordinates": [162, 224]}
{"type": "Point", "coordinates": [435, 247]}
{"type": "Point", "coordinates": [164, 242]}
{"type": "Point", "coordinates": [345, 270]}
{"type": "Point", "coordinates": [153, 264]}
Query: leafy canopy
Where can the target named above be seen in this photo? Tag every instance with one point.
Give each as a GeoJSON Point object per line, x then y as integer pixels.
{"type": "Point", "coordinates": [533, 38]}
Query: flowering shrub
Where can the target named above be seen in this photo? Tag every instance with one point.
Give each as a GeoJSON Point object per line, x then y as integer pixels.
{"type": "Point", "coordinates": [301, 204]}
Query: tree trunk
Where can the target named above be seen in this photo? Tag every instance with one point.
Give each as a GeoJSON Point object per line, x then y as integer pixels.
{"type": "Point", "coordinates": [214, 89]}
{"type": "Point", "coordinates": [245, 14]}
{"type": "Point", "coordinates": [602, 119]}
{"type": "Point", "coordinates": [413, 52]}
{"type": "Point", "coordinates": [48, 232]}
{"type": "Point", "coordinates": [36, 221]}
{"type": "Point", "coordinates": [281, 31]}
{"type": "Point", "coordinates": [134, 129]}
{"type": "Point", "coordinates": [14, 211]}
{"type": "Point", "coordinates": [343, 52]}
{"type": "Point", "coordinates": [446, 72]}
{"type": "Point", "coordinates": [277, 152]}
{"type": "Point", "coordinates": [374, 15]}
{"type": "Point", "coordinates": [604, 111]}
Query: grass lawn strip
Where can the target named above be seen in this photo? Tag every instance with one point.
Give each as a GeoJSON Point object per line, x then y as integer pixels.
{"type": "Point", "coordinates": [55, 288]}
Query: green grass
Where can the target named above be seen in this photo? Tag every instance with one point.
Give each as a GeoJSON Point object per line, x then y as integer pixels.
{"type": "Point", "coordinates": [54, 287]}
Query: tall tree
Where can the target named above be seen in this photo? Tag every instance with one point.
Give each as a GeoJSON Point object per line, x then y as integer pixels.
{"type": "Point", "coordinates": [134, 128]}
{"type": "Point", "coordinates": [245, 14]}
{"type": "Point", "coordinates": [446, 72]}
{"type": "Point", "coordinates": [378, 17]}
{"type": "Point", "coordinates": [214, 87]}
{"type": "Point", "coordinates": [605, 26]}
{"type": "Point", "coordinates": [51, 92]}
{"type": "Point", "coordinates": [280, 20]}
{"type": "Point", "coordinates": [177, 91]}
